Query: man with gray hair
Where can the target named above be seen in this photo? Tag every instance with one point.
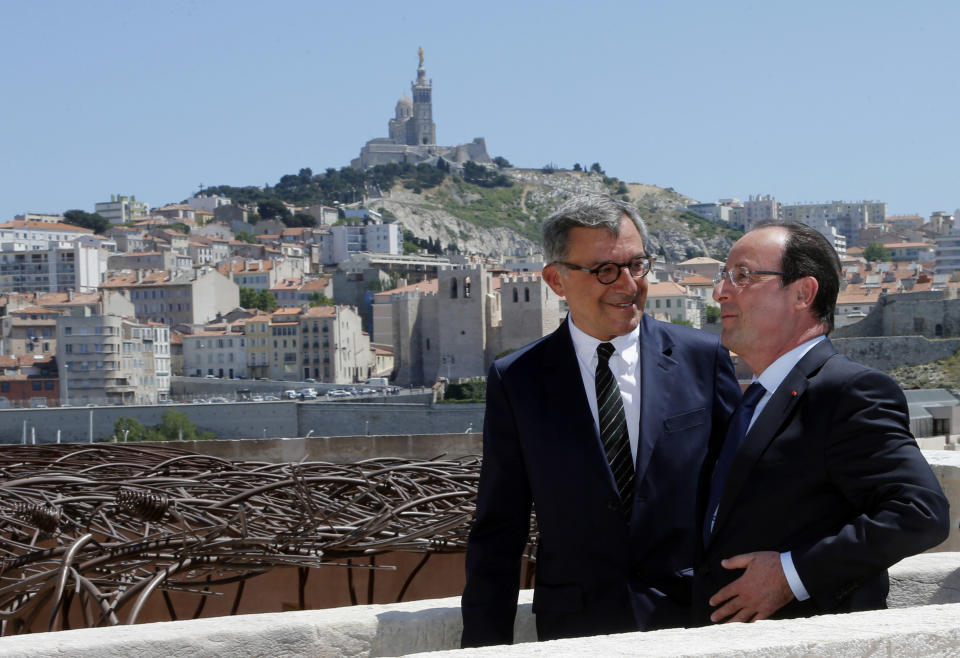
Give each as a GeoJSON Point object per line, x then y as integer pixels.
{"type": "Point", "coordinates": [601, 427]}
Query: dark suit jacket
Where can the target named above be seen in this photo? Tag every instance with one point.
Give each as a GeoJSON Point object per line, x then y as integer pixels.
{"type": "Point", "coordinates": [596, 573]}
{"type": "Point", "coordinates": [831, 472]}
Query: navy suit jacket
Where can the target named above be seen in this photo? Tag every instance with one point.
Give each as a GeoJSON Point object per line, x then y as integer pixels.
{"type": "Point", "coordinates": [596, 572]}
{"type": "Point", "coordinates": [831, 472]}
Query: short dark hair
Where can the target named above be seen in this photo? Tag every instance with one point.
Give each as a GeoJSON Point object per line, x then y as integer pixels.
{"type": "Point", "coordinates": [808, 253]}
{"type": "Point", "coordinates": [588, 211]}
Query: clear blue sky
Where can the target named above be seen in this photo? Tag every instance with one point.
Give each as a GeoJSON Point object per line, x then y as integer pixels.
{"type": "Point", "coordinates": [807, 101]}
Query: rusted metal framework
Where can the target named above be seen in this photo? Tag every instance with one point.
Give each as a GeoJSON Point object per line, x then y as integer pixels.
{"type": "Point", "coordinates": [105, 526]}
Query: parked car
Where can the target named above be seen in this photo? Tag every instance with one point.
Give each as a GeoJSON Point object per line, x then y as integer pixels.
{"type": "Point", "coordinates": [290, 394]}
{"type": "Point", "coordinates": [270, 398]}
{"type": "Point", "coordinates": [337, 393]}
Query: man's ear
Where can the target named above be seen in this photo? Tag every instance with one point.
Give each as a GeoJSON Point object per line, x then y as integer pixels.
{"type": "Point", "coordinates": [805, 289]}
{"type": "Point", "coordinates": [551, 274]}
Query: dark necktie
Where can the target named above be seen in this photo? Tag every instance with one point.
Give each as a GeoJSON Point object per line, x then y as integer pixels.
{"type": "Point", "coordinates": [737, 429]}
{"type": "Point", "coordinates": [613, 427]}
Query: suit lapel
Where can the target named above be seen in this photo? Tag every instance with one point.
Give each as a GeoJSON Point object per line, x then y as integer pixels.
{"type": "Point", "coordinates": [768, 423]}
{"type": "Point", "coordinates": [569, 412]}
{"type": "Point", "coordinates": [656, 363]}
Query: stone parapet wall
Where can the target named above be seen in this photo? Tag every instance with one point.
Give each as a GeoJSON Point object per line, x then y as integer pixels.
{"type": "Point", "coordinates": [931, 581]}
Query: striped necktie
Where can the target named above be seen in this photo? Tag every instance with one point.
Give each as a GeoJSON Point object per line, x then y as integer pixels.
{"type": "Point", "coordinates": [613, 428]}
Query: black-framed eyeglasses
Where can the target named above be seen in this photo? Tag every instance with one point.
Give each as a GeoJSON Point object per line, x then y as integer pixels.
{"type": "Point", "coordinates": [608, 273]}
{"type": "Point", "coordinates": [741, 276]}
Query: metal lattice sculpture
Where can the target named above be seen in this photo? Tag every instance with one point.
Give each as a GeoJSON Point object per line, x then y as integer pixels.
{"type": "Point", "coordinates": [106, 526]}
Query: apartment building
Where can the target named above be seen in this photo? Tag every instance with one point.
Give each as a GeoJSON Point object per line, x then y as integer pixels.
{"type": "Point", "coordinates": [674, 303]}
{"type": "Point", "coordinates": [144, 260]}
{"type": "Point", "coordinates": [340, 242]}
{"type": "Point", "coordinates": [129, 239]}
{"type": "Point", "coordinates": [849, 218]}
{"type": "Point", "coordinates": [946, 253]}
{"type": "Point", "coordinates": [108, 359]}
{"type": "Point", "coordinates": [28, 380]}
{"type": "Point", "coordinates": [61, 266]}
{"type": "Point", "coordinates": [217, 350]}
{"type": "Point", "coordinates": [258, 336]}
{"type": "Point", "coordinates": [29, 331]}
{"type": "Point", "coordinates": [33, 235]}
{"type": "Point", "coordinates": [285, 335]}
{"type": "Point", "coordinates": [756, 209]}
{"type": "Point", "coordinates": [334, 348]}
{"type": "Point", "coordinates": [260, 274]}
{"type": "Point", "coordinates": [191, 298]}
{"type": "Point", "coordinates": [121, 209]}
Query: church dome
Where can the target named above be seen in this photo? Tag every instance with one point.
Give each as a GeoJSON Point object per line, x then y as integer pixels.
{"type": "Point", "coordinates": [404, 108]}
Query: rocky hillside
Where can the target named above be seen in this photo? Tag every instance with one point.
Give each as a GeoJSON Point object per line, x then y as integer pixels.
{"type": "Point", "coordinates": [506, 220]}
{"type": "Point", "coordinates": [937, 374]}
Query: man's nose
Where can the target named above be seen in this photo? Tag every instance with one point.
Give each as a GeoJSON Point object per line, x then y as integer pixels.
{"type": "Point", "coordinates": [626, 281]}
{"type": "Point", "coordinates": [719, 289]}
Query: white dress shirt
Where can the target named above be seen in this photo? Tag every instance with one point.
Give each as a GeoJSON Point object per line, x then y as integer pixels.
{"type": "Point", "coordinates": [625, 366]}
{"type": "Point", "coordinates": [770, 379]}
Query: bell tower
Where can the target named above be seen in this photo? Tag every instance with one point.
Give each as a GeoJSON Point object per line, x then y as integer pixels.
{"type": "Point", "coordinates": [421, 131]}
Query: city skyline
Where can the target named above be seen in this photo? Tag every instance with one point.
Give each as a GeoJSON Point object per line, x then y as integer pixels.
{"type": "Point", "coordinates": [810, 103]}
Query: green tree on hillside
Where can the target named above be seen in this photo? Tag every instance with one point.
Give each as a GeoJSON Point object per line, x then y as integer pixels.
{"type": "Point", "coordinates": [261, 299]}
{"type": "Point", "coordinates": [876, 252]}
{"type": "Point", "coordinates": [300, 219]}
{"type": "Point", "coordinates": [93, 221]}
{"type": "Point", "coordinates": [317, 298]}
{"type": "Point", "coordinates": [272, 209]}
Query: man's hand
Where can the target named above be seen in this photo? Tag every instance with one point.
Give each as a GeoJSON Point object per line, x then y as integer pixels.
{"type": "Point", "coordinates": [757, 594]}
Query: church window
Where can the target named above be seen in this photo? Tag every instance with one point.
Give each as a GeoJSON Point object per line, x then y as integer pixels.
{"type": "Point", "coordinates": [515, 296]}
{"type": "Point", "coordinates": [466, 288]}
{"type": "Point", "coordinates": [526, 294]}
{"type": "Point", "coordinates": [453, 288]}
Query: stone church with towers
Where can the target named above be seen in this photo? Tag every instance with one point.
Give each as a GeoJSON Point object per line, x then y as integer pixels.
{"type": "Point", "coordinates": [472, 319]}
{"type": "Point", "coordinates": [413, 134]}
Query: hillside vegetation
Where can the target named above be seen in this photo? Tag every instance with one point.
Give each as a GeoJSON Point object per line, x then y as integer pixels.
{"type": "Point", "coordinates": [489, 211]}
{"type": "Point", "coordinates": [937, 374]}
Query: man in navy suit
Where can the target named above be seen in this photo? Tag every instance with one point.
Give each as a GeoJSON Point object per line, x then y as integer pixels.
{"type": "Point", "coordinates": [615, 552]}
{"type": "Point", "coordinates": [827, 487]}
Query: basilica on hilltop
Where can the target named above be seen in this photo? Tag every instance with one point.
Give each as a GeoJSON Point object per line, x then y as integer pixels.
{"type": "Point", "coordinates": [413, 134]}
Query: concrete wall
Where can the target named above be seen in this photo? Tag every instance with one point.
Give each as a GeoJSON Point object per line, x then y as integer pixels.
{"type": "Point", "coordinates": [946, 466]}
{"type": "Point", "coordinates": [343, 449]}
{"type": "Point", "coordinates": [932, 582]}
{"type": "Point", "coordinates": [887, 352]}
{"type": "Point", "coordinates": [245, 420]}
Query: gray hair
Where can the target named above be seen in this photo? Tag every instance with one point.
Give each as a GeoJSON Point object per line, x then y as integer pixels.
{"type": "Point", "coordinates": [588, 211]}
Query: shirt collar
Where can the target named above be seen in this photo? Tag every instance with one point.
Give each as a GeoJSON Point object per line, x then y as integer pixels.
{"type": "Point", "coordinates": [776, 372]}
{"type": "Point", "coordinates": [627, 346]}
